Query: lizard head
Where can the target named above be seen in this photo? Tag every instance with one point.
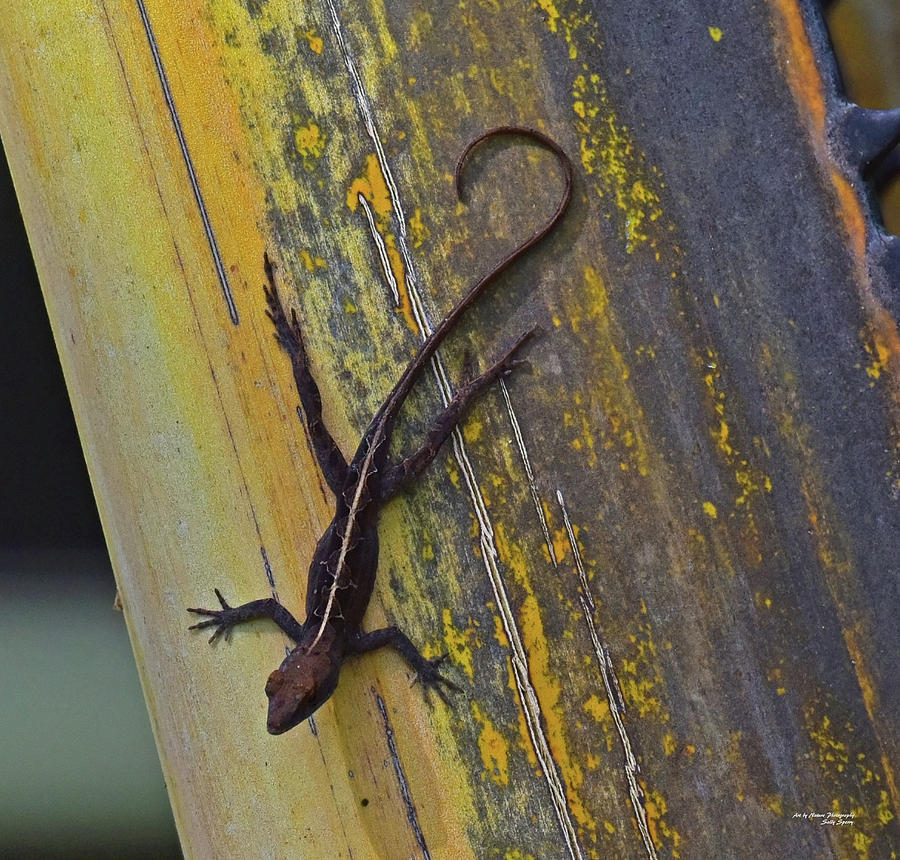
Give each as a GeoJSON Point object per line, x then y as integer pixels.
{"type": "Point", "coordinates": [304, 681]}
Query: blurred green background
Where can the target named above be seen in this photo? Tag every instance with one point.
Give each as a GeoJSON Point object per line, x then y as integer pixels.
{"type": "Point", "coordinates": [80, 772]}
{"type": "Point", "coordinates": [79, 775]}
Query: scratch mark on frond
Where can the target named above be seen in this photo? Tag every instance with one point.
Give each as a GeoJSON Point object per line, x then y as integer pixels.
{"type": "Point", "coordinates": [270, 577]}
{"type": "Point", "coordinates": [189, 164]}
{"type": "Point", "coordinates": [382, 250]}
{"type": "Point", "coordinates": [529, 472]}
{"type": "Point", "coordinates": [411, 814]}
{"type": "Point", "coordinates": [611, 685]}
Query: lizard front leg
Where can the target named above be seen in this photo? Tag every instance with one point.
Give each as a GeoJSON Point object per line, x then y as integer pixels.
{"type": "Point", "coordinates": [228, 616]}
{"type": "Point", "coordinates": [426, 670]}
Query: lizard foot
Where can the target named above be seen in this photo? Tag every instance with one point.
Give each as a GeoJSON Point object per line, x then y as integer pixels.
{"type": "Point", "coordinates": [222, 619]}
{"type": "Point", "coordinates": [431, 679]}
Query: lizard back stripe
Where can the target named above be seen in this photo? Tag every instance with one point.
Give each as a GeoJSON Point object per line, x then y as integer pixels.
{"type": "Point", "coordinates": [374, 442]}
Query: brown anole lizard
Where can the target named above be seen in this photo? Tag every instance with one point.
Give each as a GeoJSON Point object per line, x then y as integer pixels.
{"type": "Point", "coordinates": [344, 565]}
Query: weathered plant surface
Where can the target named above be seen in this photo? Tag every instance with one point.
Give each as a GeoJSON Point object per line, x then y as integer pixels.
{"type": "Point", "coordinates": [664, 562]}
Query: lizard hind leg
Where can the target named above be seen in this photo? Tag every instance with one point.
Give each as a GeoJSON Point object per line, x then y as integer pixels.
{"type": "Point", "coordinates": [426, 670]}
{"type": "Point", "coordinates": [407, 470]}
{"type": "Point", "coordinates": [289, 337]}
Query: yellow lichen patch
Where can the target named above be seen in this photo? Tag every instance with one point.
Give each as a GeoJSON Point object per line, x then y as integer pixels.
{"type": "Point", "coordinates": [861, 844]}
{"type": "Point", "coordinates": [517, 854]}
{"type": "Point", "coordinates": [549, 7]}
{"type": "Point", "coordinates": [418, 231]}
{"type": "Point", "coordinates": [734, 757]}
{"type": "Point", "coordinates": [638, 692]}
{"type": "Point", "coordinates": [641, 678]}
{"type": "Point", "coordinates": [598, 709]}
{"type": "Point", "coordinates": [619, 405]}
{"type": "Point", "coordinates": [715, 34]}
{"type": "Point", "coordinates": [884, 812]}
{"type": "Point", "coordinates": [750, 480]}
{"type": "Point", "coordinates": [398, 271]}
{"type": "Point", "coordinates": [311, 263]}
{"type": "Point", "coordinates": [548, 690]}
{"type": "Point", "coordinates": [660, 830]}
{"type": "Point", "coordinates": [762, 601]}
{"type": "Point", "coordinates": [882, 328]}
{"type": "Point", "coordinates": [473, 430]}
{"type": "Point", "coordinates": [878, 354]}
{"type": "Point", "coordinates": [309, 141]}
{"type": "Point", "coordinates": [500, 633]}
{"type": "Point", "coordinates": [776, 676]}
{"type": "Point", "coordinates": [314, 40]}
{"type": "Point", "coordinates": [372, 186]}
{"type": "Point", "coordinates": [697, 537]}
{"type": "Point", "coordinates": [494, 748]}
{"type": "Point", "coordinates": [749, 483]}
{"type": "Point", "coordinates": [513, 558]}
{"type": "Point", "coordinates": [773, 803]}
{"type": "Point", "coordinates": [498, 82]}
{"type": "Point", "coordinates": [608, 156]}
{"type": "Point", "coordinates": [882, 344]}
{"type": "Point", "coordinates": [710, 510]}
{"type": "Point", "coordinates": [420, 27]}
{"type": "Point", "coordinates": [722, 437]}
{"type": "Point", "coordinates": [381, 35]}
{"type": "Point", "coordinates": [453, 472]}
{"type": "Point", "coordinates": [560, 539]}
{"type": "Point", "coordinates": [574, 26]}
{"type": "Point", "coordinates": [525, 741]}
{"type": "Point", "coordinates": [669, 744]}
{"type": "Point", "coordinates": [831, 752]}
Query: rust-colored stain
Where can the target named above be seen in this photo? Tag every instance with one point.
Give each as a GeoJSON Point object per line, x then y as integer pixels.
{"type": "Point", "coordinates": [802, 72]}
{"type": "Point", "coordinates": [806, 82]}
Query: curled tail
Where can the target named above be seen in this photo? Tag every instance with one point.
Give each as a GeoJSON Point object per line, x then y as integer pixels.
{"type": "Point", "coordinates": [404, 384]}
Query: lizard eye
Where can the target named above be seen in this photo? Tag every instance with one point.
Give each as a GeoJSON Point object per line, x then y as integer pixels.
{"type": "Point", "coordinates": [275, 682]}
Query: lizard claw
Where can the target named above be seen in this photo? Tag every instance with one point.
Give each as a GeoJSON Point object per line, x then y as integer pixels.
{"type": "Point", "coordinates": [221, 619]}
{"type": "Point", "coordinates": [431, 679]}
